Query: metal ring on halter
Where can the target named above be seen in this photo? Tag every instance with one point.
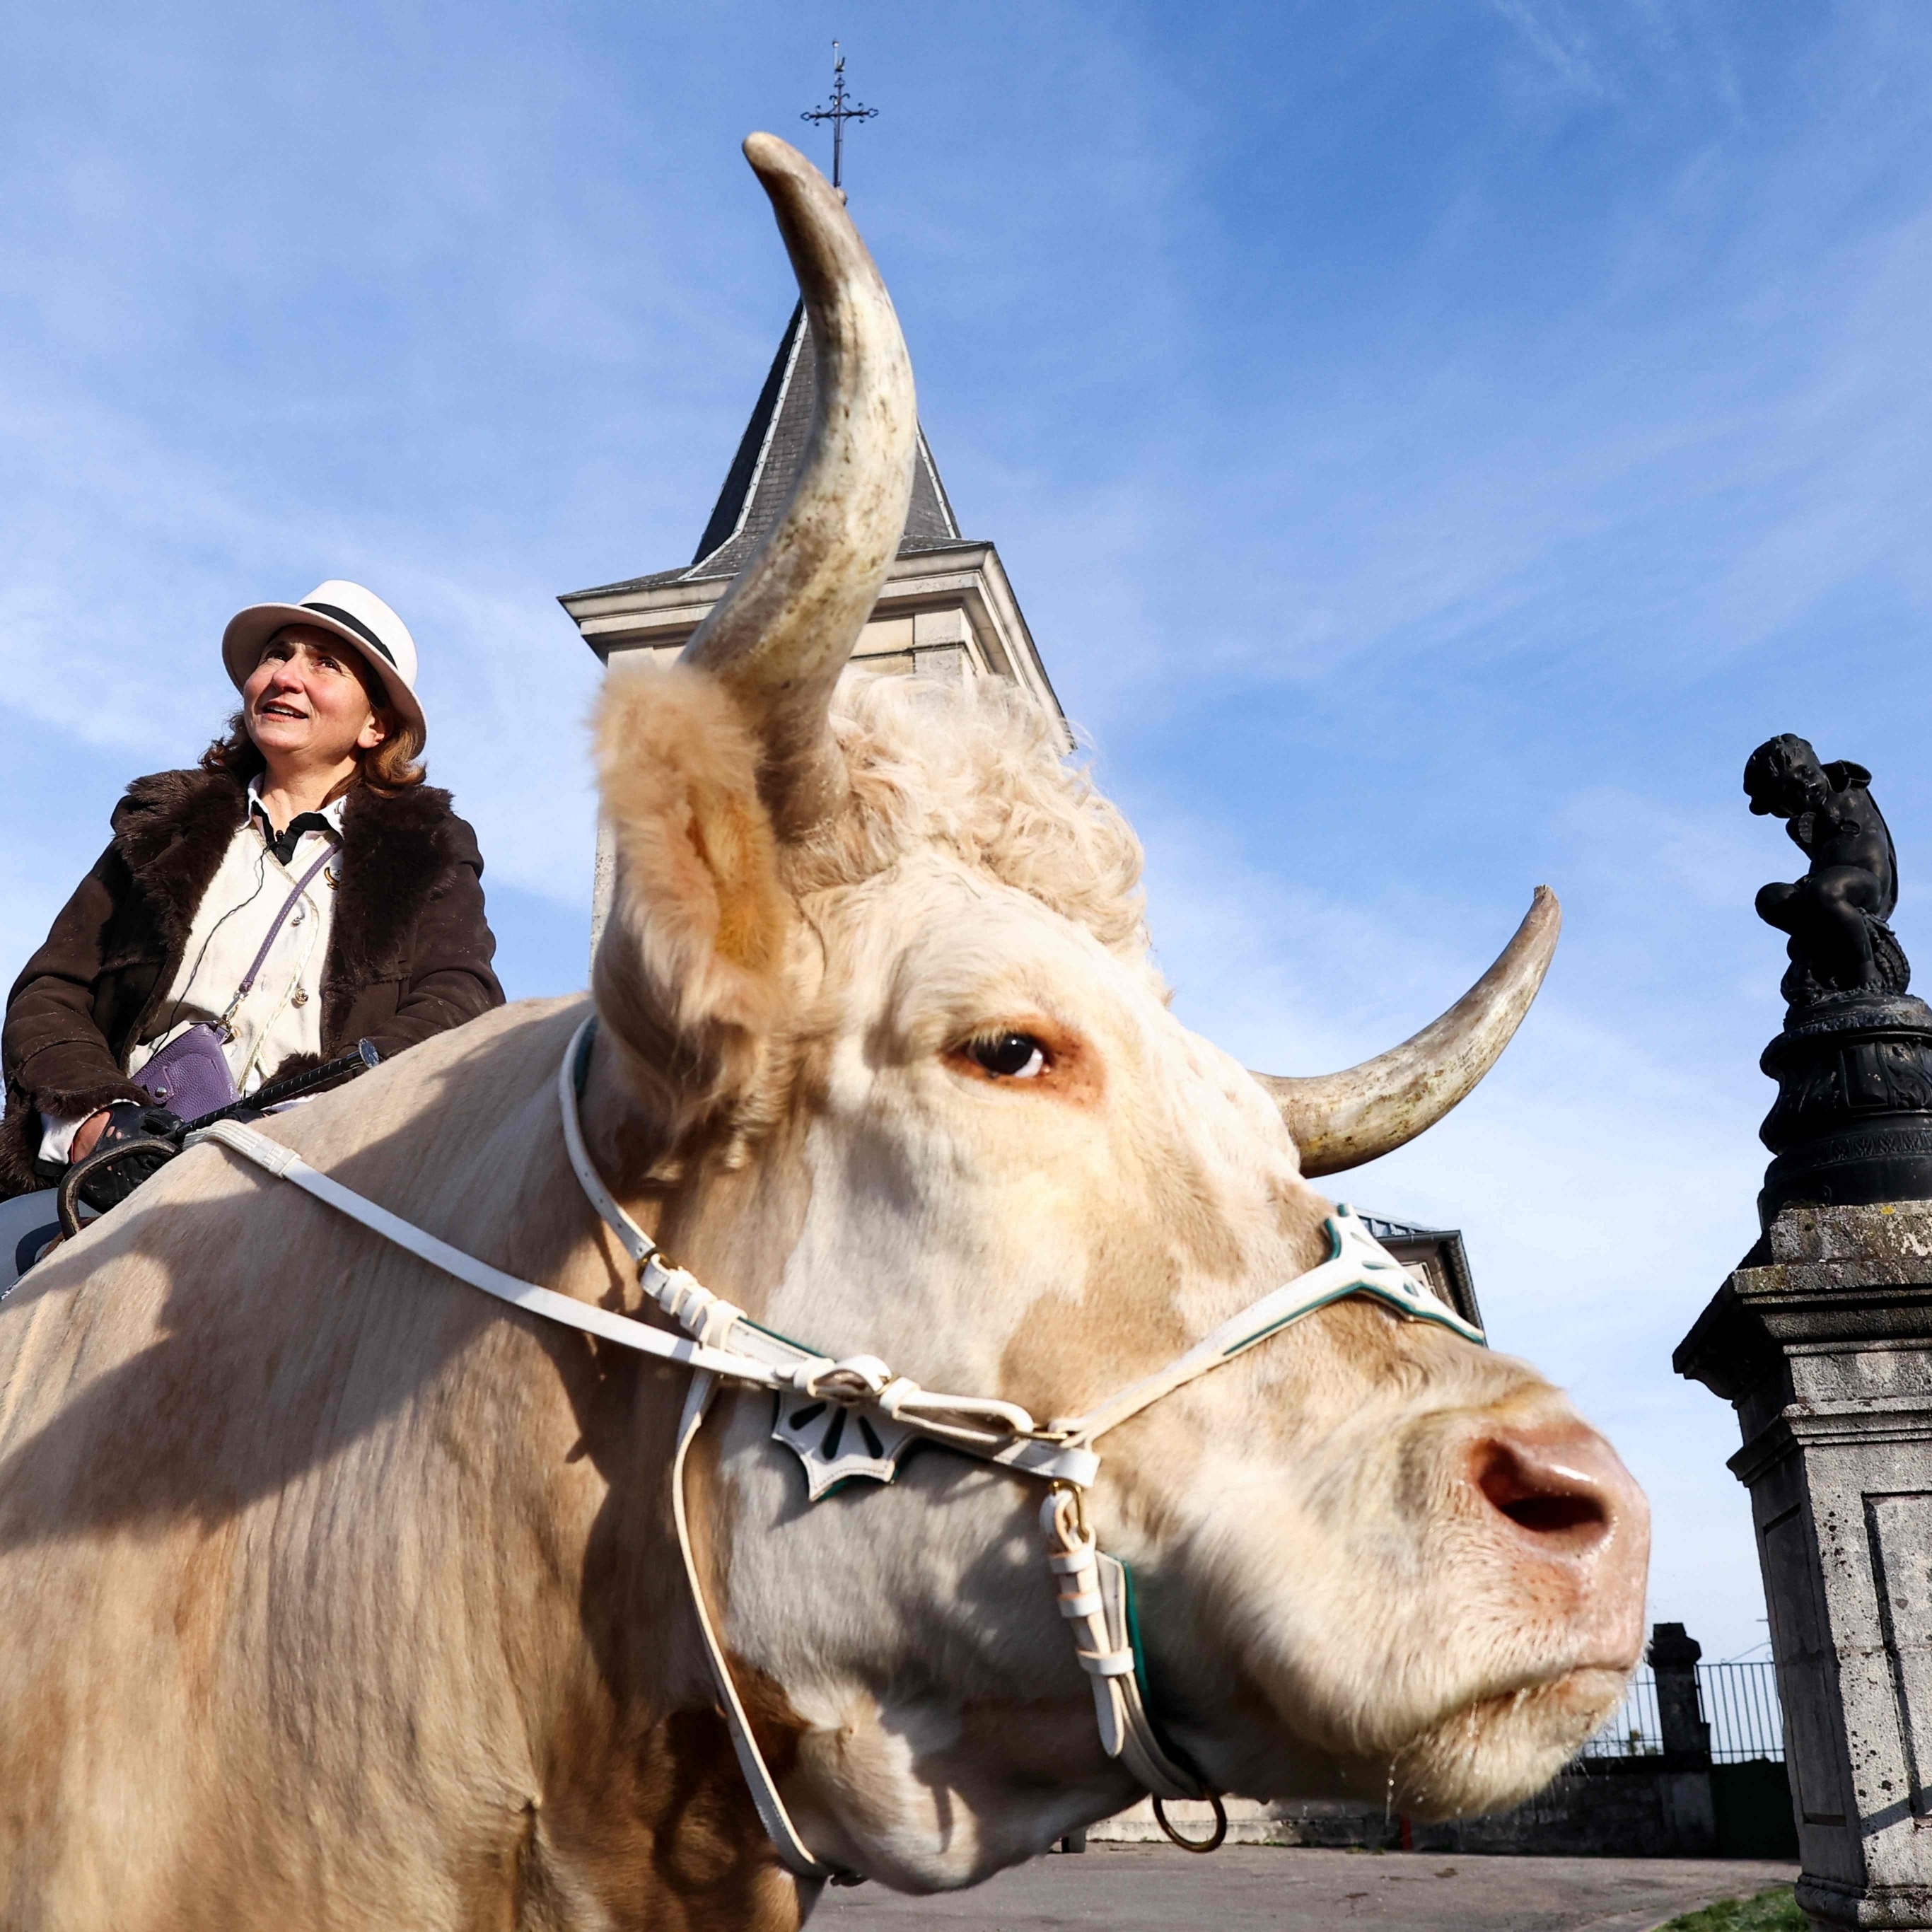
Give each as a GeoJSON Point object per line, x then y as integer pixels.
{"type": "Point", "coordinates": [1203, 1846]}
{"type": "Point", "coordinates": [1069, 1512]}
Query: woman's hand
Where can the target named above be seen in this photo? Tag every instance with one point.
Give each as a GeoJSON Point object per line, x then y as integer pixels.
{"type": "Point", "coordinates": [86, 1136]}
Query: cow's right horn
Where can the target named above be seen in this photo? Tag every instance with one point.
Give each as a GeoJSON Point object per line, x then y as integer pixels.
{"type": "Point", "coordinates": [1340, 1121]}
{"type": "Point", "coordinates": [780, 636]}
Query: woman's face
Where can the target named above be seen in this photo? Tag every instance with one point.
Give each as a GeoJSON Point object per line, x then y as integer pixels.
{"type": "Point", "coordinates": [305, 703]}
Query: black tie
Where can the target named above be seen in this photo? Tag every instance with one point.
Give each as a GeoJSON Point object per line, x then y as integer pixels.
{"type": "Point", "coordinates": [284, 847]}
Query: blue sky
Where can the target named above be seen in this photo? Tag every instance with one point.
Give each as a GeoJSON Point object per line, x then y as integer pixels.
{"type": "Point", "coordinates": [1433, 444]}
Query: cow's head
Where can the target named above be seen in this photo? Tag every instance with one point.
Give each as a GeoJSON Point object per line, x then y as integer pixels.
{"type": "Point", "coordinates": [894, 1067]}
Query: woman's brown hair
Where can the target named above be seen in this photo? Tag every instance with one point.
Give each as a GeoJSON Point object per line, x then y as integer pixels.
{"type": "Point", "coordinates": [392, 765]}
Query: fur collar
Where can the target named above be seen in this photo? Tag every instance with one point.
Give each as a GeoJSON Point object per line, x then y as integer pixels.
{"type": "Point", "coordinates": [172, 829]}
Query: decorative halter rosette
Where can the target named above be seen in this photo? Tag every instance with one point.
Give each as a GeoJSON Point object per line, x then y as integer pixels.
{"type": "Point", "coordinates": [854, 1417]}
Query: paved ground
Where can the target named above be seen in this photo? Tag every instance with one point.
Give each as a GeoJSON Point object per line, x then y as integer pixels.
{"type": "Point", "coordinates": [1252, 1889]}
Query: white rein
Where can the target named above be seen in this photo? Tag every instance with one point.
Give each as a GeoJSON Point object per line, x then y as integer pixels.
{"type": "Point", "coordinates": [722, 1343]}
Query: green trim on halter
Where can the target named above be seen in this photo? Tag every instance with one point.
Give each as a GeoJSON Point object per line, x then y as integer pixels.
{"type": "Point", "coordinates": [1139, 1649]}
{"type": "Point", "coordinates": [1448, 1319]}
{"type": "Point", "coordinates": [580, 1073]}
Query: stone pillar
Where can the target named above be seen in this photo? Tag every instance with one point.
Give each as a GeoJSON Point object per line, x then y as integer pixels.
{"type": "Point", "coordinates": [1683, 1781]}
{"type": "Point", "coordinates": [1822, 1340]}
{"type": "Point", "coordinates": [1674, 1653]}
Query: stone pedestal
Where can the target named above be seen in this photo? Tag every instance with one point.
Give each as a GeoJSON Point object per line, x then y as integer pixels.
{"type": "Point", "coordinates": [1823, 1342]}
{"type": "Point", "coordinates": [1852, 1121]}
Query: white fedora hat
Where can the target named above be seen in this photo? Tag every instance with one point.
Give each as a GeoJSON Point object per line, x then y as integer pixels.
{"type": "Point", "coordinates": [358, 617]}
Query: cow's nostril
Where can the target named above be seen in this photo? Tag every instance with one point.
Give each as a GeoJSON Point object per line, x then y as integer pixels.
{"type": "Point", "coordinates": [1541, 1489]}
{"type": "Point", "coordinates": [1548, 1501]}
{"type": "Point", "coordinates": [1546, 1513]}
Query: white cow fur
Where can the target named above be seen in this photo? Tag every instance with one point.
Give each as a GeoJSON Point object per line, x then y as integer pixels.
{"type": "Point", "coordinates": [334, 1595]}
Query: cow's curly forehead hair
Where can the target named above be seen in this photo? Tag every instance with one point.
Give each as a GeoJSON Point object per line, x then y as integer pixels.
{"type": "Point", "coordinates": [976, 769]}
{"type": "Point", "coordinates": [703, 956]}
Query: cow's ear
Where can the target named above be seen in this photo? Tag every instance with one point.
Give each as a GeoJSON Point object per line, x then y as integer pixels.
{"type": "Point", "coordinates": [690, 971]}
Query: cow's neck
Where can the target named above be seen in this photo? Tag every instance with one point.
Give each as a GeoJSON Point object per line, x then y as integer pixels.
{"type": "Point", "coordinates": [643, 1786]}
{"type": "Point", "coordinates": [731, 1218]}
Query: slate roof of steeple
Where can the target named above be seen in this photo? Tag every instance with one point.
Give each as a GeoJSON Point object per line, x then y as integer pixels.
{"type": "Point", "coordinates": [767, 464]}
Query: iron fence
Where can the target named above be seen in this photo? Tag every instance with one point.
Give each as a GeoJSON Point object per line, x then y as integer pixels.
{"type": "Point", "coordinates": [1739, 1702]}
{"type": "Point", "coordinates": [1740, 1706]}
{"type": "Point", "coordinates": [1634, 1729]}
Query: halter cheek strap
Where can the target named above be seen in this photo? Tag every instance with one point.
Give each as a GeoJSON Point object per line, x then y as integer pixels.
{"type": "Point", "coordinates": [1094, 1592]}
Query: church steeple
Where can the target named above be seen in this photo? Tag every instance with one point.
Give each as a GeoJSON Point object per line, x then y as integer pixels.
{"type": "Point", "coordinates": [946, 607]}
{"type": "Point", "coordinates": [766, 465]}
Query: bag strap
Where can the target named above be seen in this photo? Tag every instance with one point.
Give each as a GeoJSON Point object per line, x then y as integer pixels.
{"type": "Point", "coordinates": [255, 965]}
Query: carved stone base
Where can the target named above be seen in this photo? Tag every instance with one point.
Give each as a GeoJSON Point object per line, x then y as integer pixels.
{"type": "Point", "coordinates": [1824, 1343]}
{"type": "Point", "coordinates": [1852, 1122]}
{"type": "Point", "coordinates": [1894, 1908]}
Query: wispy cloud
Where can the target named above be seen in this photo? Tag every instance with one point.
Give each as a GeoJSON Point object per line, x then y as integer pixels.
{"type": "Point", "coordinates": [1556, 39]}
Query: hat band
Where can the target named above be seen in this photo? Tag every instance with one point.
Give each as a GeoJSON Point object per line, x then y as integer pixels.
{"type": "Point", "coordinates": [356, 625]}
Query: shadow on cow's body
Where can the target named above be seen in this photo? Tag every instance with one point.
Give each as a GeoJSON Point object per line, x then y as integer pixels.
{"type": "Point", "coordinates": [308, 1460]}
{"type": "Point", "coordinates": [319, 1354]}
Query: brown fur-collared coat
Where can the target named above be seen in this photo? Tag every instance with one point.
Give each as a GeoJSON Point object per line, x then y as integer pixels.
{"type": "Point", "coordinates": [408, 950]}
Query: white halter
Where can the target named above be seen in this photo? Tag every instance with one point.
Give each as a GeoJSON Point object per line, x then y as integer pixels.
{"type": "Point", "coordinates": [1095, 1590]}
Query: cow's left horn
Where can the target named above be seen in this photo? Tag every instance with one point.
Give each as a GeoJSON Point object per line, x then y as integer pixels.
{"type": "Point", "coordinates": [1340, 1120]}
{"type": "Point", "coordinates": [780, 636]}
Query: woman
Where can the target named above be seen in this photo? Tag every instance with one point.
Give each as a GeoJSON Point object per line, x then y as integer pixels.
{"type": "Point", "coordinates": [306, 836]}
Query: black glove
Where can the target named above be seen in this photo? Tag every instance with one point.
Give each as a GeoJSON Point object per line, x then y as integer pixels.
{"type": "Point", "coordinates": [140, 1121]}
{"type": "Point", "coordinates": [137, 1127]}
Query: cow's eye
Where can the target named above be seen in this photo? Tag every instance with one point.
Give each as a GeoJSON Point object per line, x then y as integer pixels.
{"type": "Point", "coordinates": [1008, 1056]}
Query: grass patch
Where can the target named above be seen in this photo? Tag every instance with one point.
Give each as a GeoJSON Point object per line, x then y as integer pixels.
{"type": "Point", "coordinates": [1772, 1911]}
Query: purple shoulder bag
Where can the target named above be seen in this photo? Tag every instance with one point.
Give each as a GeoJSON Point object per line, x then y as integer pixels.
{"type": "Point", "coordinates": [189, 1076]}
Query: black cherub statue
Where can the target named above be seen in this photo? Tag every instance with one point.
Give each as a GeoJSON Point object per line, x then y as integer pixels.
{"type": "Point", "coordinates": [1852, 1121]}
{"type": "Point", "coordinates": [1836, 914]}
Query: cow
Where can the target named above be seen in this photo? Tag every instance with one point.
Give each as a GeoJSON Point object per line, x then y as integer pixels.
{"type": "Point", "coordinates": [335, 1594]}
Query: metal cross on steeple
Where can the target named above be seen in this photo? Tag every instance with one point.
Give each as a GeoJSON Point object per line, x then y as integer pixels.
{"type": "Point", "coordinates": [838, 114]}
